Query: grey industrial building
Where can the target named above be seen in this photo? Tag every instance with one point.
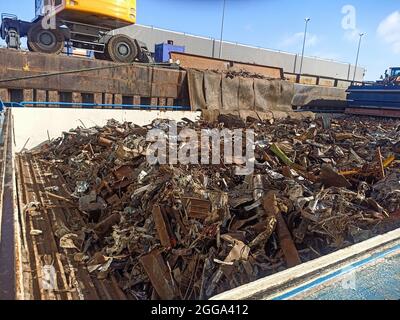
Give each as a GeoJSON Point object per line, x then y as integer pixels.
{"type": "Point", "coordinates": [206, 46]}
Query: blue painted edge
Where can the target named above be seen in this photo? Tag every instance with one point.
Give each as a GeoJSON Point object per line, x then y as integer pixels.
{"type": "Point", "coordinates": [335, 274]}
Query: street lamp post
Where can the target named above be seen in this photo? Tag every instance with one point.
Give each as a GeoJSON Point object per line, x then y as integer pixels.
{"type": "Point", "coordinates": [222, 30]}
{"type": "Point", "coordinates": [358, 54]}
{"type": "Point", "coordinates": [307, 20]}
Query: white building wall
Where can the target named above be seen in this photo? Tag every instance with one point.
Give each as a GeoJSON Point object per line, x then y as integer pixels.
{"type": "Point", "coordinates": [242, 53]}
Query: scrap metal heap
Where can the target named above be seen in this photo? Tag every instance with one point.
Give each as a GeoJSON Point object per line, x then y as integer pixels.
{"type": "Point", "coordinates": [193, 231]}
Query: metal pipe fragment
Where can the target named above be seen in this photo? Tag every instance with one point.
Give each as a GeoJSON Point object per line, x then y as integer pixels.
{"type": "Point", "coordinates": [285, 238]}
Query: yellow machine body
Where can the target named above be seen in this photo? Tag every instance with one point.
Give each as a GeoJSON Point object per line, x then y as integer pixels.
{"type": "Point", "coordinates": [103, 13]}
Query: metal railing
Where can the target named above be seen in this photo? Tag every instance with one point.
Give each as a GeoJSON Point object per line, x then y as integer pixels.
{"type": "Point", "coordinates": [24, 104]}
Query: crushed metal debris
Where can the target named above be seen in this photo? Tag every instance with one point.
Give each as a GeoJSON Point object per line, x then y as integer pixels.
{"type": "Point", "coordinates": [193, 231]}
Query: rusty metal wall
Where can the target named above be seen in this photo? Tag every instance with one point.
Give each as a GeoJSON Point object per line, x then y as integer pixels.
{"type": "Point", "coordinates": [106, 81]}
{"type": "Point", "coordinates": [317, 80]}
{"type": "Point", "coordinates": [190, 61]}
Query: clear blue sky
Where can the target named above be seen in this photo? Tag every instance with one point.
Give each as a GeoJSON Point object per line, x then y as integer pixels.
{"type": "Point", "coordinates": [279, 24]}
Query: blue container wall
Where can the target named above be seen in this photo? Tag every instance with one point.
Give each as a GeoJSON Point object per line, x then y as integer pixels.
{"type": "Point", "coordinates": [374, 96]}
{"type": "Point", "coordinates": [162, 51]}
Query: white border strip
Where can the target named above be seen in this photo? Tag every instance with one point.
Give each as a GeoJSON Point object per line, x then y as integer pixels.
{"type": "Point", "coordinates": [277, 284]}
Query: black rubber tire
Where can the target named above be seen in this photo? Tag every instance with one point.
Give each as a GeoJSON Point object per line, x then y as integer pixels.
{"type": "Point", "coordinates": [45, 40]}
{"type": "Point", "coordinates": [121, 48]}
{"type": "Point", "coordinates": [29, 46]}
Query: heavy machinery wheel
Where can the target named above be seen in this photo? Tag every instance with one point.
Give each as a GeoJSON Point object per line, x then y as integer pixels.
{"type": "Point", "coordinates": [45, 40]}
{"type": "Point", "coordinates": [29, 46]}
{"type": "Point", "coordinates": [121, 48]}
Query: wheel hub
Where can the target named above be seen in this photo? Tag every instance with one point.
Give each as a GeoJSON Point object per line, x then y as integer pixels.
{"type": "Point", "coordinates": [47, 39]}
{"type": "Point", "coordinates": [124, 49]}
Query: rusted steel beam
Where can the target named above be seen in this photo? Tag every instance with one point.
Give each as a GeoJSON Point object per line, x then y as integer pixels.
{"type": "Point", "coordinates": [41, 95]}
{"type": "Point", "coordinates": [374, 112]}
{"type": "Point", "coordinates": [98, 98]}
{"type": "Point", "coordinates": [53, 97]}
{"type": "Point", "coordinates": [170, 101]}
{"type": "Point", "coordinates": [136, 100]}
{"type": "Point", "coordinates": [76, 97]}
{"type": "Point", "coordinates": [159, 275]}
{"type": "Point", "coordinates": [163, 228]}
{"type": "Point", "coordinates": [108, 98]}
{"type": "Point", "coordinates": [270, 205]}
{"type": "Point", "coordinates": [154, 101]}
{"type": "Point", "coordinates": [118, 98]}
{"type": "Point", "coordinates": [28, 95]}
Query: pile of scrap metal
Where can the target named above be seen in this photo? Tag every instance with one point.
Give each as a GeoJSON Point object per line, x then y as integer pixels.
{"type": "Point", "coordinates": [193, 231]}
{"type": "Point", "coordinates": [244, 74]}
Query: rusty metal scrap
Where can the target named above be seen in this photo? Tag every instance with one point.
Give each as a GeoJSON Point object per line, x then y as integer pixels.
{"type": "Point", "coordinates": [193, 231]}
{"type": "Point", "coordinates": [104, 226]}
{"type": "Point", "coordinates": [160, 276]}
{"type": "Point", "coordinates": [244, 74]}
{"type": "Point", "coordinates": [285, 239]}
{"type": "Point", "coordinates": [163, 227]}
{"type": "Point", "coordinates": [329, 178]}
{"type": "Point", "coordinates": [198, 208]}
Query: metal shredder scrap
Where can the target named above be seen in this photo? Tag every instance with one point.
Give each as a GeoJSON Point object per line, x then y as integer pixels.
{"type": "Point", "coordinates": [193, 231]}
